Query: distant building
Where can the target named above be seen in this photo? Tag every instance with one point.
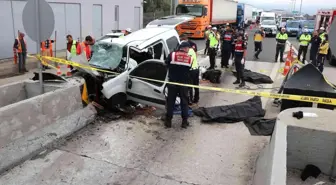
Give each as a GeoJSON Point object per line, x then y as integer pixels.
{"type": "Point", "coordinates": [76, 17]}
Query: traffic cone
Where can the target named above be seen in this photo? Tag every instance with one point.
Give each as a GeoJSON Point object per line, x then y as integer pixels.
{"type": "Point", "coordinates": [69, 74]}
{"type": "Point", "coordinates": [287, 67]}
{"type": "Point", "coordinates": [59, 73]}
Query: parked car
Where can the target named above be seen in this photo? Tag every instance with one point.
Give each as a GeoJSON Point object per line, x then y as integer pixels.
{"type": "Point", "coordinates": [307, 24]}
{"type": "Point", "coordinates": [139, 54]}
{"type": "Point", "coordinates": [270, 27]}
{"type": "Point", "coordinates": [293, 27]}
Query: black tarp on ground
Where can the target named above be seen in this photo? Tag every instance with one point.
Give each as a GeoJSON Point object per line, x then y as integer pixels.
{"type": "Point", "coordinates": [232, 113]}
{"type": "Point", "coordinates": [260, 126]}
{"type": "Point", "coordinates": [254, 77]}
{"type": "Point", "coordinates": [307, 81]}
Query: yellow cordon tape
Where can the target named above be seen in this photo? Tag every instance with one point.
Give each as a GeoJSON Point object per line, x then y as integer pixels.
{"type": "Point", "coordinates": [312, 99]}
{"type": "Point", "coordinates": [42, 61]}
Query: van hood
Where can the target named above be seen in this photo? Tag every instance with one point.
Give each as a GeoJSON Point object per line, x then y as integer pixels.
{"type": "Point", "coordinates": [170, 21]}
{"type": "Point", "coordinates": [269, 26]}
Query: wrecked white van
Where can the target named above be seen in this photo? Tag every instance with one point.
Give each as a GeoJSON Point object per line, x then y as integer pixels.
{"type": "Point", "coordinates": [139, 54]}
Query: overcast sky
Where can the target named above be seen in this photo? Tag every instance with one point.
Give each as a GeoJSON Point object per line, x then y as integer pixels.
{"type": "Point", "coordinates": [308, 6]}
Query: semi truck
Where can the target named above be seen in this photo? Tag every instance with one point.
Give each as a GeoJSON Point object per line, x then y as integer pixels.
{"type": "Point", "coordinates": [244, 12]}
{"type": "Point", "coordinates": [325, 18]}
{"type": "Point", "coordinates": [206, 12]}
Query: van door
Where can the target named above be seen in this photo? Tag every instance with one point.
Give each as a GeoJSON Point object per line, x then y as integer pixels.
{"type": "Point", "coordinates": [145, 91]}
{"type": "Point", "coordinates": [170, 21]}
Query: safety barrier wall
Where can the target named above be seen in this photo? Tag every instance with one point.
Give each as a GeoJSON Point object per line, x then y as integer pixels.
{"type": "Point", "coordinates": [30, 111]}
{"type": "Point", "coordinates": [296, 143]}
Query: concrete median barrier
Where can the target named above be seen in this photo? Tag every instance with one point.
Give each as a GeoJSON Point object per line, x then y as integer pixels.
{"type": "Point", "coordinates": [31, 122]}
{"type": "Point", "coordinates": [296, 143]}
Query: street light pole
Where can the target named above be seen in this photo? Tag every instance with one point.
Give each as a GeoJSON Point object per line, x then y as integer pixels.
{"type": "Point", "coordinates": [300, 7]}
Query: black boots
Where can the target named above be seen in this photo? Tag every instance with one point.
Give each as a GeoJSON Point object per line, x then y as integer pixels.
{"type": "Point", "coordinates": [168, 123]}
{"type": "Point", "coordinates": [236, 82]}
{"type": "Point", "coordinates": [242, 84]}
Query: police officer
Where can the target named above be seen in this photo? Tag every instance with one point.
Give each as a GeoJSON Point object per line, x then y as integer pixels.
{"type": "Point", "coordinates": [240, 53]}
{"type": "Point", "coordinates": [207, 41]}
{"type": "Point", "coordinates": [259, 36]}
{"type": "Point", "coordinates": [227, 43]}
{"type": "Point", "coordinates": [281, 39]}
{"type": "Point", "coordinates": [305, 39]}
{"type": "Point", "coordinates": [235, 35]}
{"type": "Point", "coordinates": [213, 44]}
{"type": "Point", "coordinates": [322, 33]}
{"type": "Point", "coordinates": [179, 64]}
{"type": "Point", "coordinates": [323, 52]}
{"type": "Point", "coordinates": [194, 71]}
{"type": "Point", "coordinates": [315, 44]}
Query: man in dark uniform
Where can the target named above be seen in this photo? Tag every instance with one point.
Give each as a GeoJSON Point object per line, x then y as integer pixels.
{"type": "Point", "coordinates": [235, 35]}
{"type": "Point", "coordinates": [179, 64]}
{"type": "Point", "coordinates": [227, 39]}
{"type": "Point", "coordinates": [315, 44]}
{"type": "Point", "coordinates": [240, 52]}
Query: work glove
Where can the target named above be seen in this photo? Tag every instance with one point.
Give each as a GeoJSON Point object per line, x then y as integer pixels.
{"type": "Point", "coordinates": [243, 61]}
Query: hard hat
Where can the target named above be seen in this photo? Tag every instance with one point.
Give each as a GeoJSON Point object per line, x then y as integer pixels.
{"type": "Point", "coordinates": [214, 28]}
{"type": "Point", "coordinates": [209, 26]}
{"type": "Point", "coordinates": [128, 30]}
{"type": "Point", "coordinates": [227, 24]}
{"type": "Point", "coordinates": [305, 30]}
{"type": "Point", "coordinates": [322, 28]}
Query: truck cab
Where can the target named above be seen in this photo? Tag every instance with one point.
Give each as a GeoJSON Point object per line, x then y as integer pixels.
{"type": "Point", "coordinates": [325, 18]}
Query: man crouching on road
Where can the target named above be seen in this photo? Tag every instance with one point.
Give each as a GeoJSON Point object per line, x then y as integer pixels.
{"type": "Point", "coordinates": [179, 64]}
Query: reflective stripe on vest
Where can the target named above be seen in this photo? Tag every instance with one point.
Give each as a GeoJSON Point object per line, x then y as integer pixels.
{"type": "Point", "coordinates": [19, 45]}
{"type": "Point", "coordinates": [73, 50]}
{"type": "Point", "coordinates": [239, 47]}
{"type": "Point", "coordinates": [193, 55]}
{"type": "Point", "coordinates": [228, 37]}
{"type": "Point", "coordinates": [181, 58]}
{"type": "Point", "coordinates": [213, 40]}
{"type": "Point", "coordinates": [304, 39]}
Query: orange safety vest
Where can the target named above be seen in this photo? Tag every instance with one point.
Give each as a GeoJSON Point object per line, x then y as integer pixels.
{"type": "Point", "coordinates": [43, 45]}
{"type": "Point", "coordinates": [86, 49]}
{"type": "Point", "coordinates": [19, 45]}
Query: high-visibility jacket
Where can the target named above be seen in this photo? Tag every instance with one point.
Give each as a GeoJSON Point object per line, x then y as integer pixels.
{"type": "Point", "coordinates": [73, 50]}
{"type": "Point", "coordinates": [322, 36]}
{"type": "Point", "coordinates": [305, 39]}
{"type": "Point", "coordinates": [213, 40]}
{"type": "Point", "coordinates": [193, 55]}
{"type": "Point", "coordinates": [324, 48]}
{"type": "Point", "coordinates": [281, 38]}
{"type": "Point", "coordinates": [43, 45]}
{"type": "Point", "coordinates": [207, 34]}
{"type": "Point", "coordinates": [258, 36]}
{"type": "Point", "coordinates": [19, 45]}
{"type": "Point", "coordinates": [82, 47]}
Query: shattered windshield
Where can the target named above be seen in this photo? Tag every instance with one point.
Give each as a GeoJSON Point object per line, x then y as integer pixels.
{"type": "Point", "coordinates": [195, 10]}
{"type": "Point", "coordinates": [106, 55]}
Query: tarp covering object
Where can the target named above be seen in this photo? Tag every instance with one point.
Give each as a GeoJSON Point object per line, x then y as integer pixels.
{"type": "Point", "coordinates": [254, 77]}
{"type": "Point", "coordinates": [307, 81]}
{"type": "Point", "coordinates": [232, 113]}
{"type": "Point", "coordinates": [260, 126]}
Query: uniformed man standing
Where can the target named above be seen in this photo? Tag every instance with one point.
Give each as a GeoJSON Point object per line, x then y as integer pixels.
{"type": "Point", "coordinates": [207, 41]}
{"type": "Point", "coordinates": [281, 39]}
{"type": "Point", "coordinates": [259, 36]}
{"type": "Point", "coordinates": [305, 39]}
{"type": "Point", "coordinates": [194, 71]}
{"type": "Point", "coordinates": [322, 33]}
{"type": "Point", "coordinates": [323, 52]}
{"type": "Point", "coordinates": [240, 53]}
{"type": "Point", "coordinates": [179, 63]}
{"type": "Point", "coordinates": [214, 40]}
{"type": "Point", "coordinates": [315, 44]}
{"type": "Point", "coordinates": [235, 35]}
{"type": "Point", "coordinates": [227, 43]}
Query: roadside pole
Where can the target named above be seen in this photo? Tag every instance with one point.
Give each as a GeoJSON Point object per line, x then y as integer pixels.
{"type": "Point", "coordinates": [39, 23]}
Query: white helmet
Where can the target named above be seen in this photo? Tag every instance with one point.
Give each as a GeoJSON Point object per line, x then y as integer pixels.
{"type": "Point", "coordinates": [322, 28]}
{"type": "Point", "coordinates": [128, 30]}
{"type": "Point", "coordinates": [305, 30]}
{"type": "Point", "coordinates": [214, 28]}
